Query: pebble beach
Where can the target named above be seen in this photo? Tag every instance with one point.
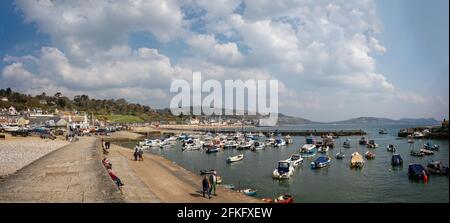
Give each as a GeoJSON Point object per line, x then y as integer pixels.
{"type": "Point", "coordinates": [17, 152]}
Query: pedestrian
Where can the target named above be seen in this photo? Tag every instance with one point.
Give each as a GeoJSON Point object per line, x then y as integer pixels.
{"type": "Point", "coordinates": [141, 154]}
{"type": "Point", "coordinates": [136, 152]}
{"type": "Point", "coordinates": [108, 145]}
{"type": "Point", "coordinates": [205, 185]}
{"type": "Point", "coordinates": [213, 180]}
{"type": "Point", "coordinates": [103, 144]}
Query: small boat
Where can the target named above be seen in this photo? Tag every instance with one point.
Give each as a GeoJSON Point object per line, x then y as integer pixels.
{"type": "Point", "coordinates": [369, 155]}
{"type": "Point", "coordinates": [308, 150]}
{"type": "Point", "coordinates": [295, 160]}
{"type": "Point", "coordinates": [248, 192]}
{"type": "Point", "coordinates": [284, 199]}
{"type": "Point", "coordinates": [357, 160]}
{"type": "Point", "coordinates": [320, 162]}
{"type": "Point", "coordinates": [418, 135]}
{"type": "Point", "coordinates": [245, 145]}
{"type": "Point", "coordinates": [230, 145]}
{"type": "Point", "coordinates": [270, 141]}
{"type": "Point", "coordinates": [228, 186]}
{"type": "Point", "coordinates": [429, 146]}
{"type": "Point", "coordinates": [371, 144]}
{"type": "Point", "coordinates": [382, 131]}
{"type": "Point", "coordinates": [258, 146]}
{"type": "Point", "coordinates": [284, 170]}
{"type": "Point", "coordinates": [213, 150]}
{"type": "Point", "coordinates": [396, 160]}
{"type": "Point", "coordinates": [323, 149]}
{"type": "Point", "coordinates": [267, 200]}
{"type": "Point", "coordinates": [279, 142]}
{"type": "Point", "coordinates": [346, 144]}
{"type": "Point", "coordinates": [426, 152]}
{"type": "Point", "coordinates": [391, 148]}
{"type": "Point", "coordinates": [362, 141]}
{"type": "Point", "coordinates": [288, 139]}
{"type": "Point", "coordinates": [233, 159]}
{"type": "Point", "coordinates": [340, 155]}
{"type": "Point", "coordinates": [206, 172]}
{"type": "Point", "coordinates": [416, 153]}
{"type": "Point", "coordinates": [418, 172]}
{"type": "Point", "coordinates": [436, 168]}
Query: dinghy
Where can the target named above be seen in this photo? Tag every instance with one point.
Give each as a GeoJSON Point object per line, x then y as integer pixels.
{"type": "Point", "coordinates": [248, 192]}
{"type": "Point", "coordinates": [391, 148]}
{"type": "Point", "coordinates": [284, 199]}
{"type": "Point", "coordinates": [369, 155]}
{"type": "Point", "coordinates": [237, 158]}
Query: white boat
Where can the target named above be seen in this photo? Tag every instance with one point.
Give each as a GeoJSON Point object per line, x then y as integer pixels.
{"type": "Point", "coordinates": [347, 144]}
{"type": "Point", "coordinates": [295, 160]}
{"type": "Point", "coordinates": [323, 149]}
{"type": "Point", "coordinates": [288, 139]}
{"type": "Point", "coordinates": [230, 145]}
{"type": "Point", "coordinates": [258, 146]}
{"type": "Point", "coordinates": [284, 170]}
{"type": "Point", "coordinates": [279, 142]}
{"type": "Point", "coordinates": [153, 142]}
{"type": "Point", "coordinates": [11, 128]}
{"type": "Point", "coordinates": [233, 159]}
{"type": "Point", "coordinates": [270, 141]}
{"type": "Point", "coordinates": [418, 135]}
{"type": "Point", "coordinates": [391, 148]}
{"type": "Point", "coordinates": [245, 145]}
{"type": "Point", "coordinates": [308, 150]}
{"type": "Point", "coordinates": [357, 160]}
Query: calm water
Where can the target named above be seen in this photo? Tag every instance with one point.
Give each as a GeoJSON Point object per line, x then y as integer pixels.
{"type": "Point", "coordinates": [376, 182]}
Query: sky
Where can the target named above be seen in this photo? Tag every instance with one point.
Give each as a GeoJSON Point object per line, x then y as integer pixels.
{"type": "Point", "coordinates": [333, 60]}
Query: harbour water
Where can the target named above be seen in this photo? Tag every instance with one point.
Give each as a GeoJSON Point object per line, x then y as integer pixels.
{"type": "Point", "coordinates": [377, 181]}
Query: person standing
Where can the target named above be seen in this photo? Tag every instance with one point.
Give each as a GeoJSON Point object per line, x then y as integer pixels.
{"type": "Point", "coordinates": [136, 153]}
{"type": "Point", "coordinates": [213, 180]}
{"type": "Point", "coordinates": [205, 185]}
{"type": "Point", "coordinates": [141, 154]}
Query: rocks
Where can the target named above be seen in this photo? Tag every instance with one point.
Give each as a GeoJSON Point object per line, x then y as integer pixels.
{"type": "Point", "coordinates": [19, 152]}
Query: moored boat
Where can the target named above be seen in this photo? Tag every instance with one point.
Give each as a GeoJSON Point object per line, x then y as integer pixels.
{"type": "Point", "coordinates": [416, 153]}
{"type": "Point", "coordinates": [396, 160]}
{"type": "Point", "coordinates": [248, 191]}
{"type": "Point", "coordinates": [391, 148]}
{"type": "Point", "coordinates": [320, 162]}
{"type": "Point", "coordinates": [258, 146]}
{"type": "Point", "coordinates": [213, 150]}
{"type": "Point", "coordinates": [436, 168]}
{"type": "Point", "coordinates": [426, 152]}
{"type": "Point", "coordinates": [362, 141]}
{"type": "Point", "coordinates": [357, 160]}
{"type": "Point", "coordinates": [369, 155]}
{"type": "Point", "coordinates": [205, 172]}
{"type": "Point", "coordinates": [429, 146]}
{"type": "Point", "coordinates": [323, 149]}
{"type": "Point", "coordinates": [237, 158]}
{"type": "Point", "coordinates": [295, 160]}
{"type": "Point", "coordinates": [284, 170]}
{"type": "Point", "coordinates": [284, 199]}
{"type": "Point", "coordinates": [346, 144]}
{"type": "Point", "coordinates": [371, 144]}
{"type": "Point", "coordinates": [308, 150]}
{"type": "Point", "coordinates": [418, 172]}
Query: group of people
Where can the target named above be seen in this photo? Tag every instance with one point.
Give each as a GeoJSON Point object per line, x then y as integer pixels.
{"type": "Point", "coordinates": [138, 153]}
{"type": "Point", "coordinates": [108, 165]}
{"type": "Point", "coordinates": [209, 185]}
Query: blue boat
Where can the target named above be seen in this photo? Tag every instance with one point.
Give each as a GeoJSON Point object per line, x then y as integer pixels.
{"type": "Point", "coordinates": [249, 192]}
{"type": "Point", "coordinates": [320, 162]}
{"type": "Point", "coordinates": [396, 160]}
{"type": "Point", "coordinates": [417, 171]}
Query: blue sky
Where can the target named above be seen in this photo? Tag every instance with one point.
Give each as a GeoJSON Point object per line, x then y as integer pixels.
{"type": "Point", "coordinates": [333, 59]}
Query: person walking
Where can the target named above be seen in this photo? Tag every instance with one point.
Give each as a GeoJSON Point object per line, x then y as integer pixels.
{"type": "Point", "coordinates": [205, 185]}
{"type": "Point", "coordinates": [213, 180]}
{"type": "Point", "coordinates": [141, 154]}
{"type": "Point", "coordinates": [136, 153]}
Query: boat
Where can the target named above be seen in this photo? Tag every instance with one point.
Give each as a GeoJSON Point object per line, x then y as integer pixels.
{"type": "Point", "coordinates": [396, 160]}
{"type": "Point", "coordinates": [391, 148]}
{"type": "Point", "coordinates": [371, 144]}
{"type": "Point", "coordinates": [418, 135]}
{"type": "Point", "coordinates": [213, 149]}
{"type": "Point", "coordinates": [346, 144]}
{"type": "Point", "coordinates": [153, 143]}
{"type": "Point", "coordinates": [323, 149]}
{"type": "Point", "coordinates": [320, 162]}
{"type": "Point", "coordinates": [436, 168]}
{"type": "Point", "coordinates": [284, 170]}
{"type": "Point", "coordinates": [258, 146]}
{"type": "Point", "coordinates": [284, 199]}
{"type": "Point", "coordinates": [245, 145]}
{"type": "Point", "coordinates": [357, 160]}
{"type": "Point", "coordinates": [426, 152]}
{"type": "Point", "coordinates": [237, 158]}
{"type": "Point", "coordinates": [288, 139]}
{"type": "Point", "coordinates": [267, 200]}
{"type": "Point", "coordinates": [229, 186]}
{"type": "Point", "coordinates": [340, 155]}
{"type": "Point", "coordinates": [206, 172]}
{"type": "Point", "coordinates": [295, 160]}
{"type": "Point", "coordinates": [362, 141]}
{"type": "Point", "coordinates": [270, 141]}
{"type": "Point", "coordinates": [248, 192]}
{"type": "Point", "coordinates": [308, 150]}
{"type": "Point", "coordinates": [279, 142]}
{"type": "Point", "coordinates": [218, 179]}
{"type": "Point", "coordinates": [418, 172]}
{"type": "Point", "coordinates": [370, 155]}
{"type": "Point", "coordinates": [416, 153]}
{"type": "Point", "coordinates": [230, 145]}
{"type": "Point", "coordinates": [429, 146]}
{"type": "Point", "coordinates": [382, 131]}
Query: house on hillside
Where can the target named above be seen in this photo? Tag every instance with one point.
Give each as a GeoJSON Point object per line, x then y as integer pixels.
{"type": "Point", "coordinates": [4, 99]}
{"type": "Point", "coordinates": [12, 111]}
{"type": "Point", "coordinates": [43, 102]}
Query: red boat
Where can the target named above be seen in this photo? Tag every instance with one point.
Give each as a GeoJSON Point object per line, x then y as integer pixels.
{"type": "Point", "coordinates": [284, 199]}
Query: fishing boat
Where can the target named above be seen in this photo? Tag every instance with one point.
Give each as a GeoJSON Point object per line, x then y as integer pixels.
{"type": "Point", "coordinates": [430, 146]}
{"type": "Point", "coordinates": [308, 150]}
{"type": "Point", "coordinates": [237, 158]}
{"type": "Point", "coordinates": [279, 143]}
{"type": "Point", "coordinates": [284, 170]}
{"type": "Point", "coordinates": [284, 199]}
{"type": "Point", "coordinates": [391, 148]}
{"type": "Point", "coordinates": [357, 160]}
{"type": "Point", "coordinates": [371, 144]}
{"type": "Point", "coordinates": [382, 131]}
{"type": "Point", "coordinates": [320, 162]}
{"type": "Point", "coordinates": [362, 141]}
{"type": "Point", "coordinates": [436, 168]}
{"type": "Point", "coordinates": [213, 149]}
{"type": "Point", "coordinates": [396, 160]}
{"type": "Point", "coordinates": [295, 160]}
{"type": "Point", "coordinates": [426, 152]}
{"type": "Point", "coordinates": [206, 172]}
{"type": "Point", "coordinates": [248, 192]}
{"type": "Point", "coordinates": [346, 144]}
{"type": "Point", "coordinates": [323, 149]}
{"type": "Point", "coordinates": [418, 172]}
{"type": "Point", "coordinates": [288, 139]}
{"type": "Point", "coordinates": [369, 155]}
{"type": "Point", "coordinates": [258, 146]}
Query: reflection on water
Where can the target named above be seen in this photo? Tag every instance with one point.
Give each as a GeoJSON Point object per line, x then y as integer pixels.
{"type": "Point", "coordinates": [377, 181]}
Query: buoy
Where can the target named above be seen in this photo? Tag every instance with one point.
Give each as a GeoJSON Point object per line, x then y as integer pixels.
{"type": "Point", "coordinates": [425, 178]}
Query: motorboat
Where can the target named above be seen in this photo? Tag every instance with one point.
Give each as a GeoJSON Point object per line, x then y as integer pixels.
{"type": "Point", "coordinates": [371, 144]}
{"type": "Point", "coordinates": [284, 170]}
{"type": "Point", "coordinates": [237, 158]}
{"type": "Point", "coordinates": [347, 144]}
{"type": "Point", "coordinates": [213, 149]}
{"type": "Point", "coordinates": [229, 186]}
{"type": "Point", "coordinates": [288, 139]}
{"type": "Point", "coordinates": [279, 142]}
{"type": "Point", "coordinates": [230, 145]}
{"type": "Point", "coordinates": [340, 155]}
{"type": "Point", "coordinates": [436, 168]}
{"type": "Point", "coordinates": [206, 172]}
{"type": "Point", "coordinates": [320, 162]}
{"type": "Point", "coordinates": [396, 160]}
{"type": "Point", "coordinates": [308, 150]}
{"type": "Point", "coordinates": [426, 152]}
{"type": "Point", "coordinates": [418, 135]}
{"type": "Point", "coordinates": [258, 146]}
{"type": "Point", "coordinates": [270, 141]}
{"type": "Point", "coordinates": [416, 153]}
{"type": "Point", "coordinates": [248, 191]}
{"type": "Point", "coordinates": [382, 131]}
{"type": "Point", "coordinates": [430, 146]}
{"type": "Point", "coordinates": [295, 160]}
{"type": "Point", "coordinates": [370, 155]}
{"type": "Point", "coordinates": [153, 143]}
{"type": "Point", "coordinates": [362, 141]}
{"type": "Point", "coordinates": [418, 172]}
{"type": "Point", "coordinates": [391, 148]}
{"type": "Point", "coordinates": [357, 160]}
{"type": "Point", "coordinates": [245, 145]}
{"type": "Point", "coordinates": [323, 149]}
{"type": "Point", "coordinates": [284, 199]}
